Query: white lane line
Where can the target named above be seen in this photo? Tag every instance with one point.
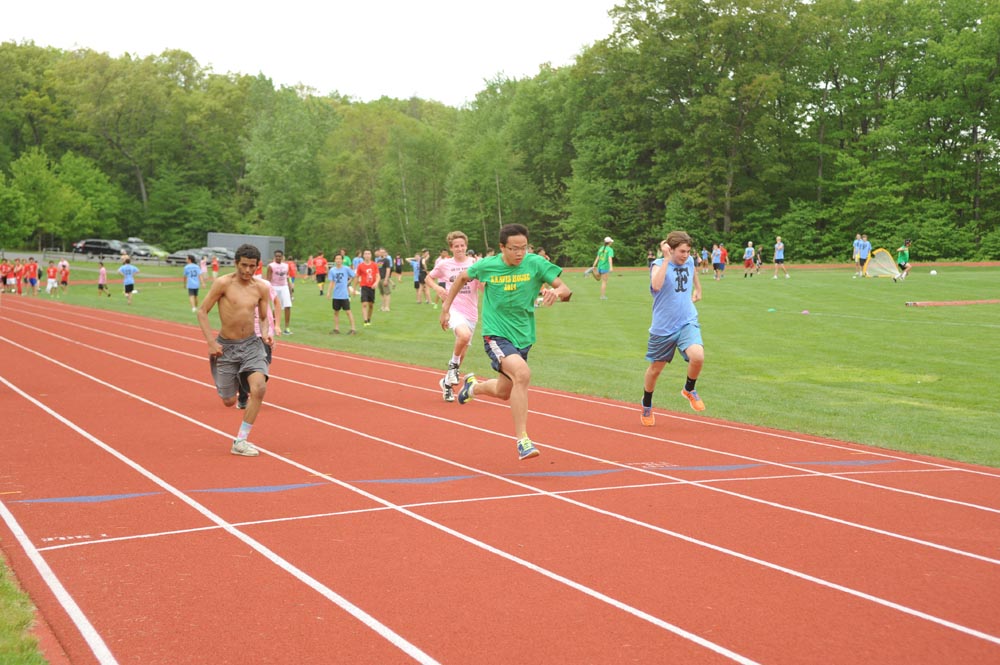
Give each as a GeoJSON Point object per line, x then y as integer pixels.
{"type": "Point", "coordinates": [80, 620]}
{"type": "Point", "coordinates": [645, 471]}
{"type": "Point", "coordinates": [377, 626]}
{"type": "Point", "coordinates": [587, 400]}
{"type": "Point", "coordinates": [355, 611]}
{"type": "Point", "coordinates": [616, 516]}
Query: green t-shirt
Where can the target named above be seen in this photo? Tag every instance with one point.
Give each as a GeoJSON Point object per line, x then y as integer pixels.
{"type": "Point", "coordinates": [903, 256]}
{"type": "Point", "coordinates": [509, 295]}
{"type": "Point", "coordinates": [604, 256]}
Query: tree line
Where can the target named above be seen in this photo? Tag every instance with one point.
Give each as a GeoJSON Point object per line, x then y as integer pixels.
{"type": "Point", "coordinates": [735, 120]}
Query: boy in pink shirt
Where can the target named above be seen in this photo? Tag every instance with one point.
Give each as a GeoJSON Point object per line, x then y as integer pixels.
{"type": "Point", "coordinates": [464, 309]}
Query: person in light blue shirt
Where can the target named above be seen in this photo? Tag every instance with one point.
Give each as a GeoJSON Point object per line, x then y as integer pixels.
{"type": "Point", "coordinates": [864, 251]}
{"type": "Point", "coordinates": [674, 285]}
{"type": "Point", "coordinates": [748, 260]}
{"type": "Point", "coordinates": [128, 272]}
{"type": "Point", "coordinates": [340, 295]}
{"type": "Point", "coordinates": [192, 275]}
{"type": "Point", "coordinates": [779, 257]}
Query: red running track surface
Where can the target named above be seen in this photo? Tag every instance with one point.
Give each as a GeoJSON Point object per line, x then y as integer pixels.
{"type": "Point", "coordinates": [383, 525]}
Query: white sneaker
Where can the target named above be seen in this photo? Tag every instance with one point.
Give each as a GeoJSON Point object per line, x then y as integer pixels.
{"type": "Point", "coordinates": [452, 378]}
{"type": "Point", "coordinates": [446, 391]}
{"type": "Point", "coordinates": [243, 447]}
{"type": "Point", "coordinates": [788, 276]}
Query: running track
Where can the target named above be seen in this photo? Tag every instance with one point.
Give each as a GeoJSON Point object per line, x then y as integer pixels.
{"type": "Point", "coordinates": [382, 525]}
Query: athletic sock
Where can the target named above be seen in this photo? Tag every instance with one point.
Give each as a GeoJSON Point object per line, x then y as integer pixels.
{"type": "Point", "coordinates": [244, 431]}
{"type": "Point", "coordinates": [456, 361]}
{"type": "Point", "coordinates": [647, 398]}
{"type": "Point", "coordinates": [689, 384]}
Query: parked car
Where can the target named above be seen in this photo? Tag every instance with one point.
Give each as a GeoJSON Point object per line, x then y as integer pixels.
{"type": "Point", "coordinates": [180, 257]}
{"type": "Point", "coordinates": [145, 250]}
{"type": "Point", "coordinates": [136, 250]}
{"type": "Point", "coordinates": [98, 247]}
{"type": "Point", "coordinates": [226, 256]}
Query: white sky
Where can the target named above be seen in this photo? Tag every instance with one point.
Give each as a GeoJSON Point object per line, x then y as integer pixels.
{"type": "Point", "coordinates": [434, 49]}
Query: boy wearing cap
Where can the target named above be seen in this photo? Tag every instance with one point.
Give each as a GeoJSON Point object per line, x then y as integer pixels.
{"type": "Point", "coordinates": [604, 263]}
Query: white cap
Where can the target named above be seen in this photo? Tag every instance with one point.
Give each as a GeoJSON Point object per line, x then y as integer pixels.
{"type": "Point", "coordinates": [608, 239]}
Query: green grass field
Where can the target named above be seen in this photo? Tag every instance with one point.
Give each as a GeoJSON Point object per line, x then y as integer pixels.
{"type": "Point", "coordinates": [860, 366]}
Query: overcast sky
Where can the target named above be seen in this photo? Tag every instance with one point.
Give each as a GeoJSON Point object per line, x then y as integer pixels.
{"type": "Point", "coordinates": [433, 49]}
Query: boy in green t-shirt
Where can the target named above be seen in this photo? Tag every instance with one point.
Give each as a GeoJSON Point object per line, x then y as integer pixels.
{"type": "Point", "coordinates": [604, 263]}
{"type": "Point", "coordinates": [511, 281]}
{"type": "Point", "coordinates": [903, 260]}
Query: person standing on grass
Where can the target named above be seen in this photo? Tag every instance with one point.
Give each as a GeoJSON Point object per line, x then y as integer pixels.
{"type": "Point", "coordinates": [856, 254]}
{"type": "Point", "coordinates": [322, 268]}
{"type": "Point", "coordinates": [102, 280]}
{"type": "Point", "coordinates": [511, 282]}
{"type": "Point", "coordinates": [52, 279]}
{"type": "Point", "coordinates": [903, 260]}
{"type": "Point", "coordinates": [864, 250]}
{"type": "Point", "coordinates": [192, 280]}
{"type": "Point", "coordinates": [340, 296]}
{"type": "Point", "coordinates": [675, 287]}
{"type": "Point", "coordinates": [604, 264]}
{"type": "Point", "coordinates": [128, 273]}
{"type": "Point", "coordinates": [779, 257]}
{"type": "Point", "coordinates": [238, 355]}
{"type": "Point", "coordinates": [384, 262]}
{"type": "Point", "coordinates": [215, 267]}
{"type": "Point", "coordinates": [277, 275]}
{"type": "Point", "coordinates": [462, 321]}
{"type": "Point", "coordinates": [33, 276]}
{"type": "Point", "coordinates": [63, 276]}
{"type": "Point", "coordinates": [748, 260]}
{"type": "Point", "coordinates": [367, 276]}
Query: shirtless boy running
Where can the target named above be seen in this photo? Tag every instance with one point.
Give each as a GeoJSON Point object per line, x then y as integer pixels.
{"type": "Point", "coordinates": [238, 355]}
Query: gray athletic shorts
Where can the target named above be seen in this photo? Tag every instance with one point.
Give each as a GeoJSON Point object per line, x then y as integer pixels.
{"type": "Point", "coordinates": [240, 358]}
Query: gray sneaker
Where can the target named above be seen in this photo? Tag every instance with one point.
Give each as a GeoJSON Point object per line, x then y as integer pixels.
{"type": "Point", "coordinates": [243, 447]}
{"type": "Point", "coordinates": [452, 378]}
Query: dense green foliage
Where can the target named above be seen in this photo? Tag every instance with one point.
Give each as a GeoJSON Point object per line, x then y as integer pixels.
{"type": "Point", "coordinates": [738, 120]}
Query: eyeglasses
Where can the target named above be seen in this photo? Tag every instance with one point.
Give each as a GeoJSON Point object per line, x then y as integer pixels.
{"type": "Point", "coordinates": [517, 250]}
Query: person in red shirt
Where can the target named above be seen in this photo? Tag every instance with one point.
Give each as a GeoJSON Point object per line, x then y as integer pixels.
{"type": "Point", "coordinates": [64, 277]}
{"type": "Point", "coordinates": [367, 278]}
{"type": "Point", "coordinates": [5, 270]}
{"type": "Point", "coordinates": [18, 273]}
{"type": "Point", "coordinates": [31, 276]}
{"type": "Point", "coordinates": [322, 268]}
{"type": "Point", "coordinates": [52, 273]}
{"type": "Point", "coordinates": [215, 267]}
{"type": "Point", "coordinates": [293, 272]}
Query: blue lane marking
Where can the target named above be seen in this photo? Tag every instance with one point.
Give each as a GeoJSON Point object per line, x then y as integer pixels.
{"type": "Point", "coordinates": [563, 474]}
{"type": "Point", "coordinates": [88, 499]}
{"type": "Point", "coordinates": [719, 467]}
{"type": "Point", "coordinates": [852, 462]}
{"type": "Point", "coordinates": [262, 489]}
{"type": "Point", "coordinates": [416, 481]}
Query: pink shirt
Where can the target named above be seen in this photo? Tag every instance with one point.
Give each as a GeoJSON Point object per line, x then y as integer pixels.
{"type": "Point", "coordinates": [102, 275]}
{"type": "Point", "coordinates": [279, 273]}
{"type": "Point", "coordinates": [466, 302]}
{"type": "Point", "coordinates": [270, 312]}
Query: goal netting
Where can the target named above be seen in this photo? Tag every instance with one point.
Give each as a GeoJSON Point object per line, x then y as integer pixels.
{"type": "Point", "coordinates": [881, 264]}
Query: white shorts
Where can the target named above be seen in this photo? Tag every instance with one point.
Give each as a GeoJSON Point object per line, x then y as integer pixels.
{"type": "Point", "coordinates": [284, 295]}
{"type": "Point", "coordinates": [457, 319]}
